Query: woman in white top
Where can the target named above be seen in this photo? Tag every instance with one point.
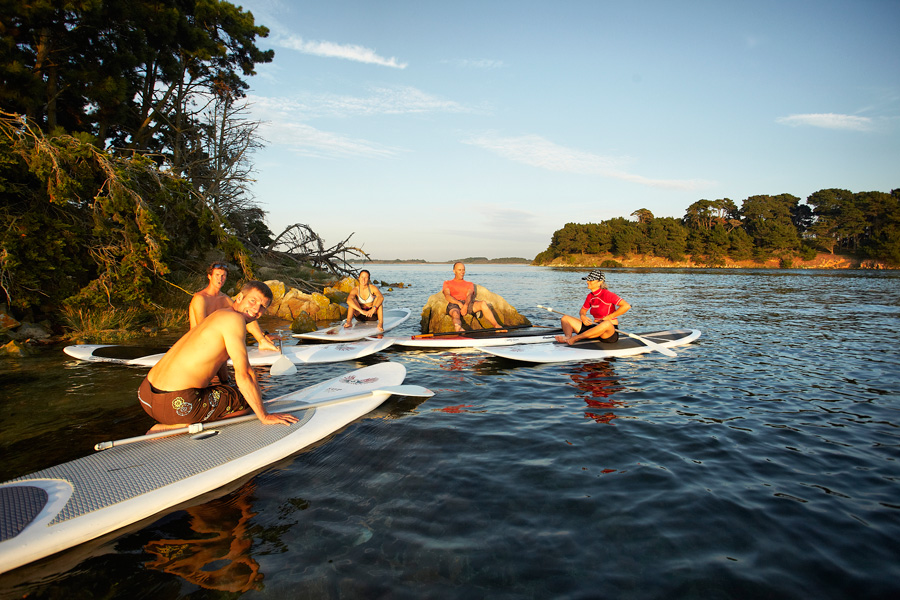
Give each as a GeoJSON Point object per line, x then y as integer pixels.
{"type": "Point", "coordinates": [365, 302]}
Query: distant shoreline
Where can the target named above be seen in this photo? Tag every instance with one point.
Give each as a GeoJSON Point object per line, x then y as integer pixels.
{"type": "Point", "coordinates": [468, 261]}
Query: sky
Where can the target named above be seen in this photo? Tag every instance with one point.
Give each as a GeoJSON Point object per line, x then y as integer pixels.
{"type": "Point", "coordinates": [444, 130]}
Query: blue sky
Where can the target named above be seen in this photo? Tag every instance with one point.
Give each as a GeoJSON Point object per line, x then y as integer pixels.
{"type": "Point", "coordinates": [441, 130]}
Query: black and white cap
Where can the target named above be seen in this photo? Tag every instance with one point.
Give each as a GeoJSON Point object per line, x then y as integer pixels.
{"type": "Point", "coordinates": [595, 275]}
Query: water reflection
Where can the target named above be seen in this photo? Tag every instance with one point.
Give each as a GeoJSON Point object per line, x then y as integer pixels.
{"type": "Point", "coordinates": [219, 557]}
{"type": "Point", "coordinates": [597, 382]}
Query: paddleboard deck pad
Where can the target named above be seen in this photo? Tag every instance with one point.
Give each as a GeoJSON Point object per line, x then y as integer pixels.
{"type": "Point", "coordinates": [625, 346]}
{"type": "Point", "coordinates": [481, 339]}
{"type": "Point", "coordinates": [360, 329]}
{"type": "Point", "coordinates": [308, 354]}
{"type": "Point", "coordinates": [51, 510]}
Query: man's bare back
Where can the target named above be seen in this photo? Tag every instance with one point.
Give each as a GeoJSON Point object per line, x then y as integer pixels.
{"type": "Point", "coordinates": [197, 356]}
{"type": "Point", "coordinates": [194, 359]}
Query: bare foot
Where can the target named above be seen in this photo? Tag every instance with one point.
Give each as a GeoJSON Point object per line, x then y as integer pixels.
{"type": "Point", "coordinates": [565, 340]}
{"type": "Point", "coordinates": [381, 327]}
{"type": "Point", "coordinates": [348, 324]}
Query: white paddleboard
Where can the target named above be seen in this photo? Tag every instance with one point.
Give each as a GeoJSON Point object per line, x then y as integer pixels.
{"type": "Point", "coordinates": [60, 507]}
{"type": "Point", "coordinates": [360, 329]}
{"type": "Point", "coordinates": [308, 354]}
{"type": "Point", "coordinates": [474, 339]}
{"type": "Point", "coordinates": [626, 346]}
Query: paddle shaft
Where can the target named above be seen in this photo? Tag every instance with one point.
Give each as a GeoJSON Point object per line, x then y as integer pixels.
{"type": "Point", "coordinates": [649, 344]}
{"type": "Point", "coordinates": [440, 333]}
{"type": "Point", "coordinates": [408, 390]}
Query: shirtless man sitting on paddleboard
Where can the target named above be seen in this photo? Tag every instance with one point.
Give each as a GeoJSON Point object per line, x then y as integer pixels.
{"type": "Point", "coordinates": [211, 298]}
{"type": "Point", "coordinates": [603, 305]}
{"type": "Point", "coordinates": [460, 299]}
{"type": "Point", "coordinates": [178, 391]}
{"type": "Point", "coordinates": [365, 302]}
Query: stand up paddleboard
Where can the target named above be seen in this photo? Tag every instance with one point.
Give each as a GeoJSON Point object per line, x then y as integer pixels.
{"type": "Point", "coordinates": [313, 353]}
{"type": "Point", "coordinates": [626, 346]}
{"type": "Point", "coordinates": [60, 507]}
{"type": "Point", "coordinates": [477, 339]}
{"type": "Point", "coordinates": [360, 329]}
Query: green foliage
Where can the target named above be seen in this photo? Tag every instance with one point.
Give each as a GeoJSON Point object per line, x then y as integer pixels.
{"type": "Point", "coordinates": [867, 223]}
{"type": "Point", "coordinates": [119, 69]}
{"type": "Point", "coordinates": [83, 227]}
{"type": "Point", "coordinates": [102, 326]}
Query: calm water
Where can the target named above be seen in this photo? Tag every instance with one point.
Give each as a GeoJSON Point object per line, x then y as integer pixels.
{"type": "Point", "coordinates": [760, 463]}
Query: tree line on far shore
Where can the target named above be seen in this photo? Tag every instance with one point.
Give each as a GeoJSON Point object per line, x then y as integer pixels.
{"type": "Point", "coordinates": [864, 224]}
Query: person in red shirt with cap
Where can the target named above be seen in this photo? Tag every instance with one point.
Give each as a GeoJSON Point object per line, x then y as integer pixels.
{"type": "Point", "coordinates": [599, 315]}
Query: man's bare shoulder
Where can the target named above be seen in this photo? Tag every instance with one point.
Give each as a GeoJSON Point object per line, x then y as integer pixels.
{"type": "Point", "coordinates": [225, 317]}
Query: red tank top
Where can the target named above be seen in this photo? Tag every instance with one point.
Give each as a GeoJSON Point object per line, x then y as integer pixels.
{"type": "Point", "coordinates": [459, 289]}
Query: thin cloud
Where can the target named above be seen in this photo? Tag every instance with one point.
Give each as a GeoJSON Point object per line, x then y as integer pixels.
{"type": "Point", "coordinates": [309, 141]}
{"type": "Point", "coordinates": [280, 125]}
{"type": "Point", "coordinates": [379, 101]}
{"type": "Point", "coordinates": [538, 152]}
{"type": "Point", "coordinates": [352, 52]}
{"type": "Point", "coordinates": [828, 121]}
{"type": "Point", "coordinates": [484, 63]}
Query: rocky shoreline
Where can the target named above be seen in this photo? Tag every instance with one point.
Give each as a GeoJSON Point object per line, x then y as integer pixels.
{"type": "Point", "coordinates": [637, 261]}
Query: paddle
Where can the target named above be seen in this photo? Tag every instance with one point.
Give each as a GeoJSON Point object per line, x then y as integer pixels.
{"type": "Point", "coordinates": [649, 344]}
{"type": "Point", "coordinates": [399, 390]}
{"type": "Point", "coordinates": [463, 333]}
{"type": "Point", "coordinates": [283, 365]}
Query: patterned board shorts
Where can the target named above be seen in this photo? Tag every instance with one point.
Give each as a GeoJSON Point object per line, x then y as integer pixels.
{"type": "Point", "coordinates": [193, 405]}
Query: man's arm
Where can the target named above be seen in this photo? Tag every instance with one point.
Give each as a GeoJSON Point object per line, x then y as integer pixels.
{"type": "Point", "coordinates": [197, 310]}
{"type": "Point", "coordinates": [262, 339]}
{"type": "Point", "coordinates": [245, 376]}
{"type": "Point", "coordinates": [450, 299]}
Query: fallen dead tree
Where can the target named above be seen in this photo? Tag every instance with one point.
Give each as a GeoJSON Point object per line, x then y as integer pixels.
{"type": "Point", "coordinates": [298, 246]}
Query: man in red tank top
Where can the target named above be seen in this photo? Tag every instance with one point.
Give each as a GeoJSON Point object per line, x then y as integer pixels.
{"type": "Point", "coordinates": [460, 299]}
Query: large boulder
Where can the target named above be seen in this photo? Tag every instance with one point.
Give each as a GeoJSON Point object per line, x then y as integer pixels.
{"type": "Point", "coordinates": [436, 320]}
{"type": "Point", "coordinates": [290, 304]}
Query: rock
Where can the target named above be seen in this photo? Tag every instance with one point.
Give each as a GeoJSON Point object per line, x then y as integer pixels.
{"type": "Point", "coordinates": [6, 320]}
{"type": "Point", "coordinates": [17, 348]}
{"type": "Point", "coordinates": [345, 285]}
{"type": "Point", "coordinates": [336, 296]}
{"type": "Point", "coordinates": [290, 303]}
{"type": "Point", "coordinates": [28, 331]}
{"type": "Point", "coordinates": [436, 320]}
{"type": "Point", "coordinates": [303, 324]}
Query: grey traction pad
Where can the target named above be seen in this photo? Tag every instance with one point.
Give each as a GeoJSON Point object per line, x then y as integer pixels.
{"type": "Point", "coordinates": [124, 472]}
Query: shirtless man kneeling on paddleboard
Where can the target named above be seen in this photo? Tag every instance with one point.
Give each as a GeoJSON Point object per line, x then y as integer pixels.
{"type": "Point", "coordinates": [212, 298]}
{"type": "Point", "coordinates": [460, 299]}
{"type": "Point", "coordinates": [177, 391]}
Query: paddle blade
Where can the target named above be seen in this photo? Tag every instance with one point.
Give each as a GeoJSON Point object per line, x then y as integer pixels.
{"type": "Point", "coordinates": [282, 366]}
{"type": "Point", "coordinates": [650, 344]}
{"type": "Point", "coordinates": [408, 390]}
